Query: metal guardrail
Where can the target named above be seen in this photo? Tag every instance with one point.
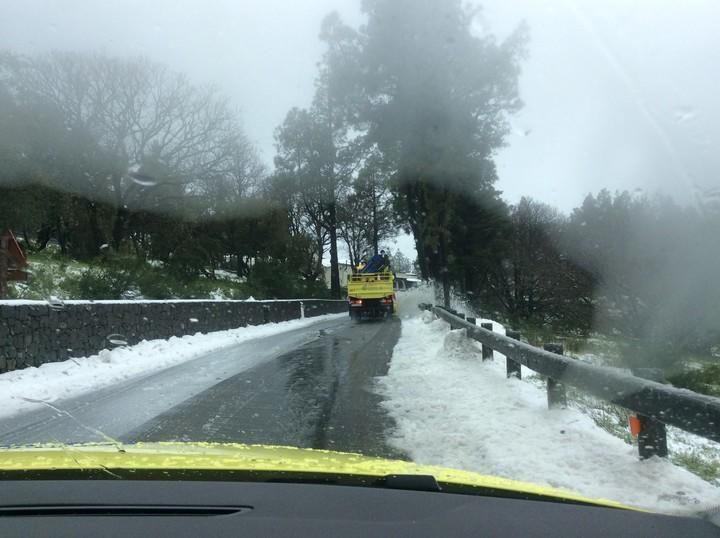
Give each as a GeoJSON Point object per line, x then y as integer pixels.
{"type": "Point", "coordinates": [655, 404]}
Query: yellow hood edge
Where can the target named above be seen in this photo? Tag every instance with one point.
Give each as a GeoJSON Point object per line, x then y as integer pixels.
{"type": "Point", "coordinates": [241, 457]}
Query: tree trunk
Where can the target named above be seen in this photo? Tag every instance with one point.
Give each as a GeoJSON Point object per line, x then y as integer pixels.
{"type": "Point", "coordinates": [239, 269]}
{"type": "Point", "coordinates": [62, 236]}
{"type": "Point", "coordinates": [138, 240]}
{"type": "Point", "coordinates": [320, 245]}
{"type": "Point", "coordinates": [118, 229]}
{"type": "Point", "coordinates": [469, 279]}
{"type": "Point", "coordinates": [28, 244]}
{"type": "Point", "coordinates": [352, 253]}
{"type": "Point", "coordinates": [417, 225]}
{"type": "Point", "coordinates": [334, 268]}
{"type": "Point", "coordinates": [119, 226]}
{"type": "Point", "coordinates": [444, 272]}
{"type": "Point", "coordinates": [43, 236]}
{"type": "Point", "coordinates": [4, 255]}
{"type": "Point", "coordinates": [374, 216]}
{"type": "Point", "coordinates": [95, 233]}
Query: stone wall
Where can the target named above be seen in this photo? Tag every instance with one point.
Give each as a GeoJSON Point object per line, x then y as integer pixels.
{"type": "Point", "coordinates": [36, 332]}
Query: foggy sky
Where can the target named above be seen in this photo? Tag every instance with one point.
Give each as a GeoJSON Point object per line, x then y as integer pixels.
{"type": "Point", "coordinates": [619, 94]}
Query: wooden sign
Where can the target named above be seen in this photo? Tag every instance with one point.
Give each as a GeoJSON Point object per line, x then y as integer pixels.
{"type": "Point", "coordinates": [12, 261]}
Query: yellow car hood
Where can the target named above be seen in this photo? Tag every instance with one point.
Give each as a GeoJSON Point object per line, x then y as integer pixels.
{"type": "Point", "coordinates": [176, 456]}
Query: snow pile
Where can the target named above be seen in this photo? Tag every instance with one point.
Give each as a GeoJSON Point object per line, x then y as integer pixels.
{"type": "Point", "coordinates": [452, 409]}
{"type": "Point", "coordinates": [26, 389]}
{"type": "Point", "coordinates": [228, 275]}
{"type": "Point", "coordinates": [218, 294]}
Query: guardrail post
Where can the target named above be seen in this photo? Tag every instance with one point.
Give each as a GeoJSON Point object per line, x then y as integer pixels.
{"type": "Point", "coordinates": [513, 368]}
{"type": "Point", "coordinates": [555, 389]}
{"type": "Point", "coordinates": [652, 438]}
{"type": "Point", "coordinates": [487, 353]}
{"type": "Point", "coordinates": [266, 313]}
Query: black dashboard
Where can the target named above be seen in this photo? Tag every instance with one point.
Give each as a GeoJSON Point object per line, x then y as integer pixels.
{"type": "Point", "coordinates": [223, 508]}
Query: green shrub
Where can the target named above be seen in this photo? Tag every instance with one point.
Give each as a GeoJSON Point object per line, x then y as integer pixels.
{"type": "Point", "coordinates": [48, 273]}
{"type": "Point", "coordinates": [705, 380]}
{"type": "Point", "coordinates": [118, 277]}
{"type": "Point", "coordinates": [153, 285]}
{"type": "Point", "coordinates": [272, 279]}
{"type": "Point", "coordinates": [102, 283]}
{"type": "Point", "coordinates": [705, 466]}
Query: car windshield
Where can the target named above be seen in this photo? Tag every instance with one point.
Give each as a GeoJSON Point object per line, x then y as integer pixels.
{"type": "Point", "coordinates": [480, 235]}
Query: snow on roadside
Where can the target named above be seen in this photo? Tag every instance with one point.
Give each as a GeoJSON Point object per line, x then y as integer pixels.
{"type": "Point", "coordinates": [27, 389]}
{"type": "Point", "coordinates": [409, 300]}
{"type": "Point", "coordinates": [452, 409]}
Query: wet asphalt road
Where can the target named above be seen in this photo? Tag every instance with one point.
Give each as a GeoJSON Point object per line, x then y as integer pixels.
{"type": "Point", "coordinates": [310, 388]}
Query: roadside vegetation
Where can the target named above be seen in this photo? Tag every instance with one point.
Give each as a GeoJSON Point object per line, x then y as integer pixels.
{"type": "Point", "coordinates": [694, 453]}
{"type": "Point", "coordinates": [54, 275]}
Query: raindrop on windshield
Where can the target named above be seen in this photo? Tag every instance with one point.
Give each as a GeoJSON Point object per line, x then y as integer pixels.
{"type": "Point", "coordinates": [117, 340]}
{"type": "Point", "coordinates": [684, 113]}
{"type": "Point", "coordinates": [142, 179]}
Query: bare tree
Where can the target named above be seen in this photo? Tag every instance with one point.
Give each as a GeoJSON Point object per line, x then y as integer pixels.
{"type": "Point", "coordinates": [316, 156]}
{"type": "Point", "coordinates": [305, 216]}
{"type": "Point", "coordinates": [366, 217]}
{"type": "Point", "coordinates": [536, 282]}
{"type": "Point", "coordinates": [162, 136]}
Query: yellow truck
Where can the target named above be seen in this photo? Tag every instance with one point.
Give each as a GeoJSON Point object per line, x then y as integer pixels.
{"type": "Point", "coordinates": [371, 295]}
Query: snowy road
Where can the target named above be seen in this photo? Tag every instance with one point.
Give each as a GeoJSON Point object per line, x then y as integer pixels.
{"type": "Point", "coordinates": [307, 387]}
{"type": "Point", "coordinates": [422, 393]}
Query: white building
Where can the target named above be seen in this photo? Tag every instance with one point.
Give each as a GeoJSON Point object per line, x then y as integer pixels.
{"type": "Point", "coordinates": [344, 270]}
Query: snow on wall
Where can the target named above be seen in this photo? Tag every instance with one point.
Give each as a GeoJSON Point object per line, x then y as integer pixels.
{"type": "Point", "coordinates": [35, 332]}
{"type": "Point", "coordinates": [33, 388]}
